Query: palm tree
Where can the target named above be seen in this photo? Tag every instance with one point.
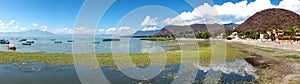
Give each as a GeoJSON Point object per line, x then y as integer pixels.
{"type": "Point", "coordinates": [292, 31]}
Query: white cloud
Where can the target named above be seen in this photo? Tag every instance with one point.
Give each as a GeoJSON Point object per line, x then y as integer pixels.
{"type": "Point", "coordinates": [34, 24]}
{"type": "Point", "coordinates": [12, 22]}
{"type": "Point", "coordinates": [79, 30]}
{"type": "Point", "coordinates": [62, 31]}
{"type": "Point", "coordinates": [125, 30]}
{"type": "Point", "coordinates": [14, 26]}
{"type": "Point", "coordinates": [82, 30]}
{"type": "Point", "coordinates": [225, 22]}
{"type": "Point", "coordinates": [240, 22]}
{"type": "Point", "coordinates": [23, 28]}
{"type": "Point", "coordinates": [241, 11]}
{"type": "Point", "coordinates": [149, 21]}
{"type": "Point", "coordinates": [10, 26]}
{"type": "Point", "coordinates": [150, 28]}
{"type": "Point", "coordinates": [202, 14]}
{"type": "Point", "coordinates": [44, 28]}
{"type": "Point", "coordinates": [101, 31]}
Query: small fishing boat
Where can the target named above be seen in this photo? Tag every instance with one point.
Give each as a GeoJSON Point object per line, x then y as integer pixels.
{"type": "Point", "coordinates": [96, 42]}
{"type": "Point", "coordinates": [29, 41]}
{"type": "Point", "coordinates": [26, 43]}
{"type": "Point", "coordinates": [52, 39]}
{"type": "Point", "coordinates": [70, 40]}
{"type": "Point", "coordinates": [11, 47]}
{"type": "Point", "coordinates": [112, 39]}
{"type": "Point", "coordinates": [4, 41]}
{"type": "Point", "coordinates": [23, 40]}
{"type": "Point", "coordinates": [57, 41]}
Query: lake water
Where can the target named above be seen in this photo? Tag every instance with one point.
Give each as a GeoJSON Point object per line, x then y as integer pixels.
{"type": "Point", "coordinates": [45, 45]}
{"type": "Point", "coordinates": [237, 71]}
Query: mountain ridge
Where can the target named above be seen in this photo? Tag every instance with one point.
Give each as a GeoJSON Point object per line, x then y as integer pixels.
{"type": "Point", "coordinates": [266, 20]}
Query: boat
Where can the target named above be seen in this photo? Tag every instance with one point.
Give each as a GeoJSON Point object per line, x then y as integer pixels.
{"type": "Point", "coordinates": [70, 40]}
{"type": "Point", "coordinates": [29, 41]}
{"type": "Point", "coordinates": [111, 39]}
{"type": "Point", "coordinates": [11, 47]}
{"type": "Point", "coordinates": [26, 43]}
{"type": "Point", "coordinates": [57, 41]}
{"type": "Point", "coordinates": [4, 41]}
{"type": "Point", "coordinates": [52, 39]}
{"type": "Point", "coordinates": [96, 42]}
{"type": "Point", "coordinates": [23, 40]}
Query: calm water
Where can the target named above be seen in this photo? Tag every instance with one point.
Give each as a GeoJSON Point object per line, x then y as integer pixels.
{"type": "Point", "coordinates": [236, 71]}
{"type": "Point", "coordinates": [45, 45]}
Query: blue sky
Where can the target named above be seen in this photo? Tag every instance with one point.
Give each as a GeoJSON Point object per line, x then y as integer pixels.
{"type": "Point", "coordinates": [58, 16]}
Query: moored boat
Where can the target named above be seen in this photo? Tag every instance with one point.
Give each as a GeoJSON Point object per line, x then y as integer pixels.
{"type": "Point", "coordinates": [4, 41]}
{"type": "Point", "coordinates": [22, 40]}
{"type": "Point", "coordinates": [11, 47]}
{"type": "Point", "coordinates": [29, 41]}
{"type": "Point", "coordinates": [70, 41]}
{"type": "Point", "coordinates": [52, 39]}
{"type": "Point", "coordinates": [26, 43]}
{"type": "Point", "coordinates": [96, 42]}
{"type": "Point", "coordinates": [57, 41]}
{"type": "Point", "coordinates": [112, 39]}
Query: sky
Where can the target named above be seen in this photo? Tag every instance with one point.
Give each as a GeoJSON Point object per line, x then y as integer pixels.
{"type": "Point", "coordinates": [128, 16]}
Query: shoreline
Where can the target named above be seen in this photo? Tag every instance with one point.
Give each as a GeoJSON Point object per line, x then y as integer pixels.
{"type": "Point", "coordinates": [274, 64]}
{"type": "Point", "coordinates": [285, 46]}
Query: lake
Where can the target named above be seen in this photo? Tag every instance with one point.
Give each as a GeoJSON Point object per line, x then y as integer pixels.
{"type": "Point", "coordinates": [236, 71]}
{"type": "Point", "coordinates": [45, 45]}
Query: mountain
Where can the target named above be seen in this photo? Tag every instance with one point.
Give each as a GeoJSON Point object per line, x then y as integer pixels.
{"type": "Point", "coordinates": [145, 33]}
{"type": "Point", "coordinates": [29, 33]}
{"type": "Point", "coordinates": [37, 32]}
{"type": "Point", "coordinates": [231, 25]}
{"type": "Point", "coordinates": [176, 30]}
{"type": "Point", "coordinates": [269, 19]}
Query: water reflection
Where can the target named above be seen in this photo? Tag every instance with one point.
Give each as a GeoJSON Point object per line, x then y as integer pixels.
{"type": "Point", "coordinates": [237, 71]}
{"type": "Point", "coordinates": [238, 66]}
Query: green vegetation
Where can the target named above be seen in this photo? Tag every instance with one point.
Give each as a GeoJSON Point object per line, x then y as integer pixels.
{"type": "Point", "coordinates": [203, 35]}
{"type": "Point", "coordinates": [291, 31]}
{"type": "Point", "coordinates": [158, 39]}
{"type": "Point", "coordinates": [199, 35]}
{"type": "Point", "coordinates": [112, 39]}
{"type": "Point", "coordinates": [292, 56]}
{"type": "Point", "coordinates": [107, 59]}
{"type": "Point", "coordinates": [252, 35]}
{"type": "Point", "coordinates": [265, 50]}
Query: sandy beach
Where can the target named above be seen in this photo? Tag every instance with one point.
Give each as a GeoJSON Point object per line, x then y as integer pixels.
{"type": "Point", "coordinates": [285, 46]}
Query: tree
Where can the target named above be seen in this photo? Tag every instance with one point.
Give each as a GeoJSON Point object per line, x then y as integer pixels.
{"type": "Point", "coordinates": [292, 31]}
